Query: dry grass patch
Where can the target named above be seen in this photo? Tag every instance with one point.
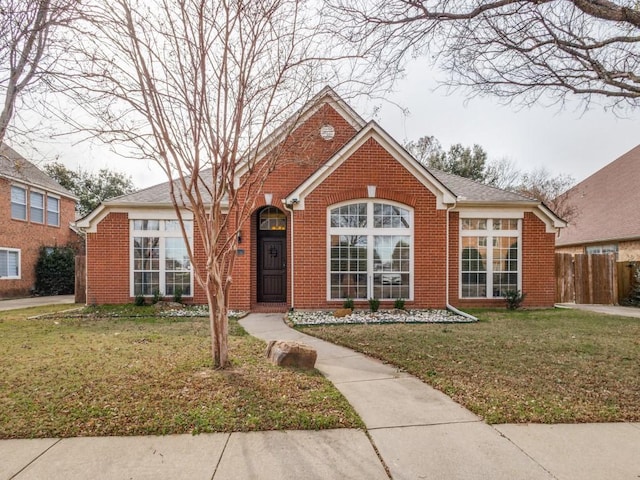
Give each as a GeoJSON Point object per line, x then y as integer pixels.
{"type": "Point", "coordinates": [63, 377]}
{"type": "Point", "coordinates": [548, 366]}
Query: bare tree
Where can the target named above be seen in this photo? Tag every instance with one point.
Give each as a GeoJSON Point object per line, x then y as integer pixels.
{"type": "Point", "coordinates": [31, 30]}
{"type": "Point", "coordinates": [198, 85]}
{"type": "Point", "coordinates": [550, 190]}
{"type": "Point", "coordinates": [514, 49]}
{"type": "Point", "coordinates": [424, 148]}
{"type": "Point", "coordinates": [502, 173]}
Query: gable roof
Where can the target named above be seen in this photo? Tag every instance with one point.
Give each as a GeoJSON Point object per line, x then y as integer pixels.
{"type": "Point", "coordinates": [607, 203]}
{"type": "Point", "coordinates": [467, 190]}
{"type": "Point", "coordinates": [448, 188]}
{"type": "Point", "coordinates": [15, 167]}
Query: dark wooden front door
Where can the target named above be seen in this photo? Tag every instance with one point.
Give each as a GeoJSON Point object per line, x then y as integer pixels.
{"type": "Point", "coordinates": [272, 266]}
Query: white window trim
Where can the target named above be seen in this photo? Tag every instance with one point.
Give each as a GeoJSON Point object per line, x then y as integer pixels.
{"type": "Point", "coordinates": [44, 206]}
{"type": "Point", "coordinates": [26, 204]}
{"type": "Point", "coordinates": [47, 211]}
{"type": "Point", "coordinates": [489, 233]}
{"type": "Point", "coordinates": [17, 250]}
{"type": "Point", "coordinates": [162, 234]}
{"type": "Point", "coordinates": [370, 232]}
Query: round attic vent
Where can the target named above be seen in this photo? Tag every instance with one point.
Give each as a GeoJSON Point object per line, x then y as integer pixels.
{"type": "Point", "coordinates": [327, 132]}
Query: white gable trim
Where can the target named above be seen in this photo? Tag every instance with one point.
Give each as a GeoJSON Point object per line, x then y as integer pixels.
{"type": "Point", "coordinates": [326, 96]}
{"type": "Point", "coordinates": [89, 224]}
{"type": "Point", "coordinates": [372, 130]}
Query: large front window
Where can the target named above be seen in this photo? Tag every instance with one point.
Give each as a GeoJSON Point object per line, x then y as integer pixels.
{"type": "Point", "coordinates": [490, 253]}
{"type": "Point", "coordinates": [160, 258]}
{"type": "Point", "coordinates": [370, 251]}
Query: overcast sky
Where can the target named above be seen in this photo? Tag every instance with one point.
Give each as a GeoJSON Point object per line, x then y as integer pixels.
{"type": "Point", "coordinates": [564, 142]}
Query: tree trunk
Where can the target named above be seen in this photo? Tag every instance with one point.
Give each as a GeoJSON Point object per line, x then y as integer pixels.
{"type": "Point", "coordinates": [218, 320]}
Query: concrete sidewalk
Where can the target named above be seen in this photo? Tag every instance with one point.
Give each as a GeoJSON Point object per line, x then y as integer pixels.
{"type": "Point", "coordinates": [417, 431]}
{"type": "Point", "coordinates": [421, 433]}
{"type": "Point", "coordinates": [27, 302]}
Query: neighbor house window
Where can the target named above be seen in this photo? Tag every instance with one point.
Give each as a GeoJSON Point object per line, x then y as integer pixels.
{"type": "Point", "coordinates": [53, 211]}
{"type": "Point", "coordinates": [36, 204]}
{"type": "Point", "coordinates": [489, 257]}
{"type": "Point", "coordinates": [160, 258]}
{"type": "Point", "coordinates": [9, 263]}
{"type": "Point", "coordinates": [600, 249]}
{"type": "Point", "coordinates": [18, 203]}
{"type": "Point", "coordinates": [370, 251]}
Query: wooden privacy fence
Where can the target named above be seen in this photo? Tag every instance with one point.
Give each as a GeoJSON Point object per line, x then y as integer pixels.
{"type": "Point", "coordinates": [583, 278]}
{"type": "Point", "coordinates": [81, 277]}
{"type": "Point", "coordinates": [625, 278]}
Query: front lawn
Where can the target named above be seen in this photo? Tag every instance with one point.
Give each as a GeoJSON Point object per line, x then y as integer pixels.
{"type": "Point", "coordinates": [548, 366]}
{"type": "Point", "coordinates": [106, 375]}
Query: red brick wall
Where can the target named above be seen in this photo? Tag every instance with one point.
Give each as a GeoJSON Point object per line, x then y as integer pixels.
{"type": "Point", "coordinates": [303, 152]}
{"type": "Point", "coordinates": [371, 164]}
{"type": "Point", "coordinates": [29, 238]}
{"type": "Point", "coordinates": [108, 252]}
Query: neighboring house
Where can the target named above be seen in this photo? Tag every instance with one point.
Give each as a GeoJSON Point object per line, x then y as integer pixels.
{"type": "Point", "coordinates": [35, 212]}
{"type": "Point", "coordinates": [355, 216]}
{"type": "Point", "coordinates": [607, 206]}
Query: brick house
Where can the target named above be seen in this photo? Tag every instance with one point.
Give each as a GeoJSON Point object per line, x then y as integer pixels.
{"type": "Point", "coordinates": [35, 212]}
{"type": "Point", "coordinates": [607, 215]}
{"type": "Point", "coordinates": [355, 216]}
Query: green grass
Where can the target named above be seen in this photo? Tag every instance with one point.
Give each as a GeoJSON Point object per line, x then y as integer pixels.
{"type": "Point", "coordinates": [548, 366]}
{"type": "Point", "coordinates": [104, 375]}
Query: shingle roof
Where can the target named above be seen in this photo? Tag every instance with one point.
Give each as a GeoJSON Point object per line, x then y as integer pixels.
{"type": "Point", "coordinates": [15, 167]}
{"type": "Point", "coordinates": [159, 194]}
{"type": "Point", "coordinates": [465, 189]}
{"type": "Point", "coordinates": [607, 203]}
{"type": "Point", "coordinates": [471, 191]}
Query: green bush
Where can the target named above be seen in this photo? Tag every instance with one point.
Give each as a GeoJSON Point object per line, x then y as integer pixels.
{"type": "Point", "coordinates": [177, 295]}
{"type": "Point", "coordinates": [139, 300]}
{"type": "Point", "coordinates": [348, 303]}
{"type": "Point", "coordinates": [374, 304]}
{"type": "Point", "coordinates": [399, 304]}
{"type": "Point", "coordinates": [157, 296]}
{"type": "Point", "coordinates": [514, 299]}
{"type": "Point", "coordinates": [55, 271]}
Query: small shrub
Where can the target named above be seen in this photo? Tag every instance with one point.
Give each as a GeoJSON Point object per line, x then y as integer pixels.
{"type": "Point", "coordinates": [157, 296]}
{"type": "Point", "coordinates": [399, 304]}
{"type": "Point", "coordinates": [374, 304]}
{"type": "Point", "coordinates": [139, 300]}
{"type": "Point", "coordinates": [348, 303]}
{"type": "Point", "coordinates": [514, 299]}
{"type": "Point", "coordinates": [177, 295]}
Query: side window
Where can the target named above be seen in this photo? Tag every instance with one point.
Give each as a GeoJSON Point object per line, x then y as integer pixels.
{"type": "Point", "coordinates": [18, 203]}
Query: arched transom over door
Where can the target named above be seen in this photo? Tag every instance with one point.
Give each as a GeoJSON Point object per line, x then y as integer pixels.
{"type": "Point", "coordinates": [272, 255]}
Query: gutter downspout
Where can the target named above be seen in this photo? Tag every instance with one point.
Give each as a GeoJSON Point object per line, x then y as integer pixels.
{"type": "Point", "coordinates": [289, 208]}
{"type": "Point", "coordinates": [449, 306]}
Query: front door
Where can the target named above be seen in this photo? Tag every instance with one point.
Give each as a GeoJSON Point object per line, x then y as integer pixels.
{"type": "Point", "coordinates": [272, 266]}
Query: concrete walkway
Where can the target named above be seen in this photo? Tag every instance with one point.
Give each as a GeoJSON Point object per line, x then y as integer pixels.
{"type": "Point", "coordinates": [417, 431]}
{"type": "Point", "coordinates": [421, 433]}
{"type": "Point", "coordinates": [608, 309]}
{"type": "Point", "coordinates": [27, 302]}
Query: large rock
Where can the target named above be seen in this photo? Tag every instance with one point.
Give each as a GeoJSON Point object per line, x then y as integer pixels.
{"type": "Point", "coordinates": [291, 354]}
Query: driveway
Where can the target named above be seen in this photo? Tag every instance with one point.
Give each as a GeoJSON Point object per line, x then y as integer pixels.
{"type": "Point", "coordinates": [17, 303]}
{"type": "Point", "coordinates": [608, 309]}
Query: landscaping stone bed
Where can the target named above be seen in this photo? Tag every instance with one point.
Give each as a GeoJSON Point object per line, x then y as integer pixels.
{"type": "Point", "coordinates": [304, 317]}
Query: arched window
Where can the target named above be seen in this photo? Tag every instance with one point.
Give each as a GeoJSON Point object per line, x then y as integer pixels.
{"type": "Point", "coordinates": [272, 219]}
{"type": "Point", "coordinates": [370, 250]}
